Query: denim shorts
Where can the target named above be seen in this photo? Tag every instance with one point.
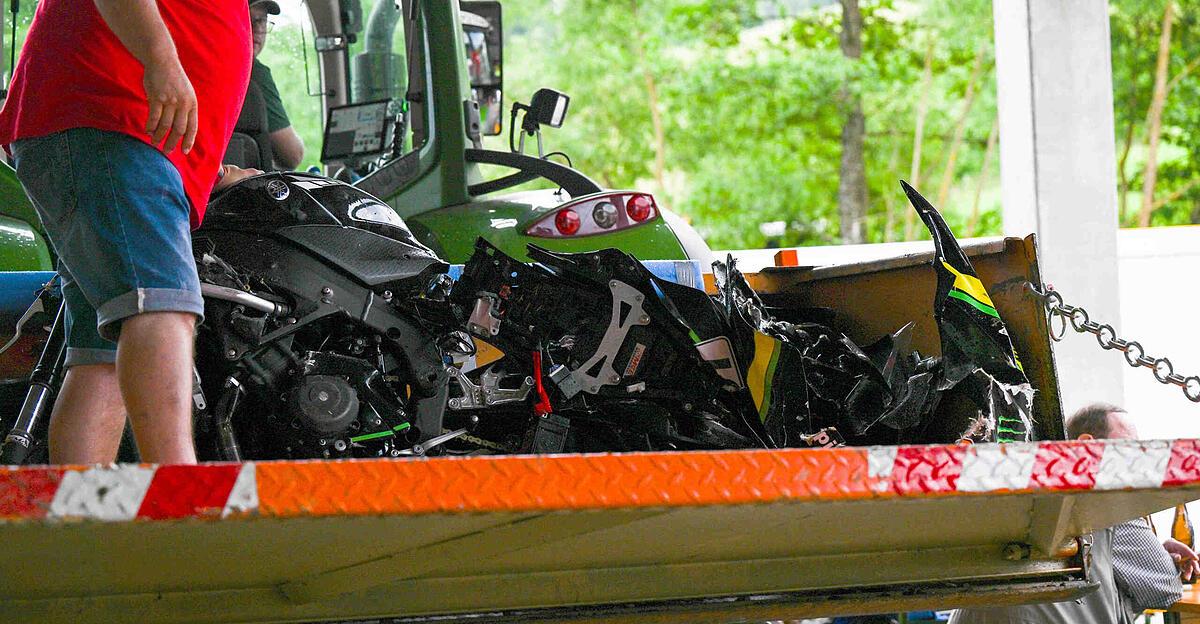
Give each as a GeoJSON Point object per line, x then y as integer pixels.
{"type": "Point", "coordinates": [116, 213]}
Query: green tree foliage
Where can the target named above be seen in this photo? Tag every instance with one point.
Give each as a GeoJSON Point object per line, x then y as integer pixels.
{"type": "Point", "coordinates": [750, 113]}
{"type": "Point", "coordinates": [1136, 26]}
{"type": "Point", "coordinates": [284, 54]}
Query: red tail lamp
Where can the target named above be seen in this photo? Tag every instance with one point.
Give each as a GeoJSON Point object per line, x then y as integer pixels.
{"type": "Point", "coordinates": [640, 207]}
{"type": "Point", "coordinates": [567, 221]}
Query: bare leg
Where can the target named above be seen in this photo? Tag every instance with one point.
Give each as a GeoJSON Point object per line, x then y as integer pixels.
{"type": "Point", "coordinates": [88, 417]}
{"type": "Point", "coordinates": [154, 367]}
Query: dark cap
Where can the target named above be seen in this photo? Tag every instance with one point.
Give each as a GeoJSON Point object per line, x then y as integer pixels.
{"type": "Point", "coordinates": [271, 6]}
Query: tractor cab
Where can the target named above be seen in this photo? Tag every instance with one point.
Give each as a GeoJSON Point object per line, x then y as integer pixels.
{"type": "Point", "coordinates": [410, 88]}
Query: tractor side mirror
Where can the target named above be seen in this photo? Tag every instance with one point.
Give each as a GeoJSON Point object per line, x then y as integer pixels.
{"type": "Point", "coordinates": [549, 107]}
{"type": "Point", "coordinates": [483, 43]}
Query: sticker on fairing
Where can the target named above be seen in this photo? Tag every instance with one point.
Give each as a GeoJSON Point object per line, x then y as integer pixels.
{"type": "Point", "coordinates": [315, 183]}
{"type": "Point", "coordinates": [719, 352]}
{"type": "Point", "coordinates": [635, 360]}
{"type": "Point", "coordinates": [372, 211]}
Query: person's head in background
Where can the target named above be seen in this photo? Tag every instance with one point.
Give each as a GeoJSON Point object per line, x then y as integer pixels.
{"type": "Point", "coordinates": [1100, 421]}
{"type": "Point", "coordinates": [260, 22]}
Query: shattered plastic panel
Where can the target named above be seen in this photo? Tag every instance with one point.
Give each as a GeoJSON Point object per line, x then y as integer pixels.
{"type": "Point", "coordinates": [624, 360]}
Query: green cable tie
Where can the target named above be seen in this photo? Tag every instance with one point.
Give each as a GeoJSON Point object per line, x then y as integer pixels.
{"type": "Point", "coordinates": [372, 436]}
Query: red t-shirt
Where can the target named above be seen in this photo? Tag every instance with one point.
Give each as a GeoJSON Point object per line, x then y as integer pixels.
{"type": "Point", "coordinates": [75, 73]}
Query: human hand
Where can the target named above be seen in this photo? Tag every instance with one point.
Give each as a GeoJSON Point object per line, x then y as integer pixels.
{"type": "Point", "coordinates": [173, 106]}
{"type": "Point", "coordinates": [1185, 558]}
{"type": "Point", "coordinates": [233, 175]}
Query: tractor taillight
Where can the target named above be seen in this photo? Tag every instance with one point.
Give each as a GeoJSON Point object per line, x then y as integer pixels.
{"type": "Point", "coordinates": [567, 221]}
{"type": "Point", "coordinates": [605, 215]}
{"type": "Point", "coordinates": [602, 213]}
{"type": "Point", "coordinates": [640, 207]}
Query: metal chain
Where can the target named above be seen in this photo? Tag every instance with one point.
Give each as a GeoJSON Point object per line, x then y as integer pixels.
{"type": "Point", "coordinates": [1106, 336]}
{"type": "Point", "coordinates": [488, 444]}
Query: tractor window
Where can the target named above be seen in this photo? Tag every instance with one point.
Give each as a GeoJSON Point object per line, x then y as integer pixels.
{"type": "Point", "coordinates": [379, 62]}
{"type": "Point", "coordinates": [284, 54]}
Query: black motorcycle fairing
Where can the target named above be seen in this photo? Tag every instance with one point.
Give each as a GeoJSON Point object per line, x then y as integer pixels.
{"type": "Point", "coordinates": [250, 206]}
{"type": "Point", "coordinates": [269, 202]}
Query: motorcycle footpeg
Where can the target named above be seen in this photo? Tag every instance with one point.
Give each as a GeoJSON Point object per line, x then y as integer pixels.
{"type": "Point", "coordinates": [420, 449]}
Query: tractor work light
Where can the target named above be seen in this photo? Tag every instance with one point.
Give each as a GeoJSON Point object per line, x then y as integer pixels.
{"type": "Point", "coordinates": [601, 213]}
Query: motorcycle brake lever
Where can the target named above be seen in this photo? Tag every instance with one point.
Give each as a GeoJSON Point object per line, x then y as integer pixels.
{"type": "Point", "coordinates": [419, 450]}
{"type": "Point", "coordinates": [38, 305]}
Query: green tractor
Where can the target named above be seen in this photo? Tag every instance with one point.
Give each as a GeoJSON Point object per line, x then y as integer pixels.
{"type": "Point", "coordinates": [409, 88]}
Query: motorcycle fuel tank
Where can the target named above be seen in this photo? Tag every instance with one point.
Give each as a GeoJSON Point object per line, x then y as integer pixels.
{"type": "Point", "coordinates": [339, 222]}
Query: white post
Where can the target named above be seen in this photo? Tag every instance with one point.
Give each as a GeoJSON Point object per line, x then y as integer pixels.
{"type": "Point", "coordinates": [1058, 169]}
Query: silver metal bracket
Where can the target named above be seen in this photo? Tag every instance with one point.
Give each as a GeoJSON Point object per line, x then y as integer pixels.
{"type": "Point", "coordinates": [330, 43]}
{"type": "Point", "coordinates": [419, 450]}
{"type": "Point", "coordinates": [487, 392]}
{"type": "Point", "coordinates": [624, 297]}
{"type": "Point", "coordinates": [38, 305]}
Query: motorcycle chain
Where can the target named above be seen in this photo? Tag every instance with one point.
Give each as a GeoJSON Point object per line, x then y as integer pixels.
{"type": "Point", "coordinates": [488, 444]}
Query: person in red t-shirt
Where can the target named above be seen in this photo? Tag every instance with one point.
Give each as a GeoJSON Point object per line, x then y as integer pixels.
{"type": "Point", "coordinates": [117, 117]}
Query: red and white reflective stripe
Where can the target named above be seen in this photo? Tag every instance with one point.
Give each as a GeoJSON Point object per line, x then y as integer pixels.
{"type": "Point", "coordinates": [113, 493]}
{"type": "Point", "coordinates": [1067, 465]}
{"type": "Point", "coordinates": [1184, 466]}
{"type": "Point", "coordinates": [491, 484]}
{"type": "Point", "coordinates": [243, 498]}
{"type": "Point", "coordinates": [997, 467]}
{"type": "Point", "coordinates": [880, 462]}
{"type": "Point", "coordinates": [1141, 465]}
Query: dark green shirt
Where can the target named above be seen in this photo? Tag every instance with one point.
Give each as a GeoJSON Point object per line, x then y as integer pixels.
{"type": "Point", "coordinates": [277, 118]}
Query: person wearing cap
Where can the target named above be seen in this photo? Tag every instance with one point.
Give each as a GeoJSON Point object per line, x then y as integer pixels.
{"type": "Point", "coordinates": [117, 117]}
{"type": "Point", "coordinates": [285, 143]}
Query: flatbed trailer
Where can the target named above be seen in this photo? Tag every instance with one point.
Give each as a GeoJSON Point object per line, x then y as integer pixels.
{"type": "Point", "coordinates": [724, 536]}
{"type": "Point", "coordinates": [698, 537]}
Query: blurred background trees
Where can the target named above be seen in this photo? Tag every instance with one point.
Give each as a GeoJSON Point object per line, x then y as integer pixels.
{"type": "Point", "coordinates": [769, 123]}
{"type": "Point", "coordinates": [1156, 54]}
{"type": "Point", "coordinates": [739, 114]}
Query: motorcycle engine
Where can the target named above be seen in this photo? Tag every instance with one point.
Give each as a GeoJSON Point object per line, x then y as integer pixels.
{"type": "Point", "coordinates": [331, 390]}
{"type": "Point", "coordinates": [324, 404]}
{"type": "Point", "coordinates": [322, 320]}
{"type": "Point", "coordinates": [336, 406]}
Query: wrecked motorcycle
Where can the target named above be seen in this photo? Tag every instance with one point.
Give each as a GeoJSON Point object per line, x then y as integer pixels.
{"type": "Point", "coordinates": [331, 332]}
{"type": "Point", "coordinates": [624, 360]}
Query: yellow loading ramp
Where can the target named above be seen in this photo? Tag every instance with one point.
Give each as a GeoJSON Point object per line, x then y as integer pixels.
{"type": "Point", "coordinates": [681, 537]}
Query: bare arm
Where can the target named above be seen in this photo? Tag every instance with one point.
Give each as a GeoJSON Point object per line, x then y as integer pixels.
{"type": "Point", "coordinates": [288, 147]}
{"type": "Point", "coordinates": [169, 93]}
{"type": "Point", "coordinates": [232, 174]}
